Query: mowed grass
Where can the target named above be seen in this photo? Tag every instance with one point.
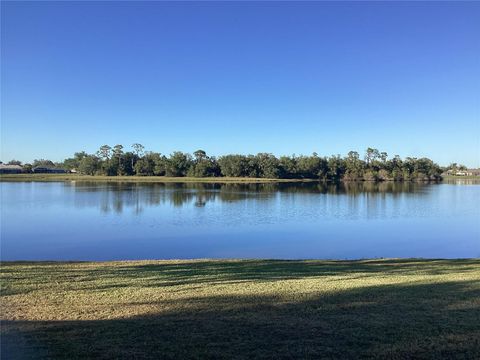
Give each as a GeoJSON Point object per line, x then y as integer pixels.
{"type": "Point", "coordinates": [157, 179]}
{"type": "Point", "coordinates": [469, 177]}
{"type": "Point", "coordinates": [395, 309]}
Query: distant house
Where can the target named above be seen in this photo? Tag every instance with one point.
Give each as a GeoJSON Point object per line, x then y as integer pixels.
{"type": "Point", "coordinates": [468, 172]}
{"type": "Point", "coordinates": [47, 170]}
{"type": "Point", "coordinates": [462, 173]}
{"type": "Point", "coordinates": [10, 169]}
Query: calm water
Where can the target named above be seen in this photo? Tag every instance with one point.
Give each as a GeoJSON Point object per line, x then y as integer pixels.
{"type": "Point", "coordinates": [105, 221]}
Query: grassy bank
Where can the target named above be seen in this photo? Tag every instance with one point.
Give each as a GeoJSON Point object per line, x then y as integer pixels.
{"type": "Point", "coordinates": [158, 179]}
{"type": "Point", "coordinates": [470, 177]}
{"type": "Point", "coordinates": [166, 179]}
{"type": "Point", "coordinates": [395, 309]}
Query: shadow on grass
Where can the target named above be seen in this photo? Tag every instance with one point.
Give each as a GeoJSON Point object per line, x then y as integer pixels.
{"type": "Point", "coordinates": [390, 321]}
{"type": "Point", "coordinates": [160, 274]}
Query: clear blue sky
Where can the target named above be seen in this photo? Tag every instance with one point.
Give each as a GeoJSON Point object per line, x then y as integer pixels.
{"type": "Point", "coordinates": [241, 78]}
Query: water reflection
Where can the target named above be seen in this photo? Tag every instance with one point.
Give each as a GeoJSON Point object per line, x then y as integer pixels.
{"type": "Point", "coordinates": [107, 221]}
{"type": "Point", "coordinates": [459, 181]}
{"type": "Point", "coordinates": [116, 196]}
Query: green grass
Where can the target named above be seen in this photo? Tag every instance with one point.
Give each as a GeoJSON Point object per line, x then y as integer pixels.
{"type": "Point", "coordinates": [158, 179]}
{"type": "Point", "coordinates": [454, 177]}
{"type": "Point", "coordinates": [395, 309]}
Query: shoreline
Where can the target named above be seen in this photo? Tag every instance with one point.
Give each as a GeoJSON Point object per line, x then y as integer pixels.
{"type": "Point", "coordinates": [234, 260]}
{"type": "Point", "coordinates": [217, 180]}
{"type": "Point", "coordinates": [152, 179]}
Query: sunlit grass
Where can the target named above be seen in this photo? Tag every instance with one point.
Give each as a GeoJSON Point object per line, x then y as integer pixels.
{"type": "Point", "coordinates": [242, 309]}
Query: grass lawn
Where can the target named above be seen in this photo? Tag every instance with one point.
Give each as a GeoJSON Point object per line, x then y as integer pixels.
{"type": "Point", "coordinates": [395, 309]}
{"type": "Point", "coordinates": [454, 177]}
{"type": "Point", "coordinates": [158, 179]}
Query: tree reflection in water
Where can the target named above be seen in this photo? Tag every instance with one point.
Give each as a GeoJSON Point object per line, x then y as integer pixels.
{"type": "Point", "coordinates": [116, 196]}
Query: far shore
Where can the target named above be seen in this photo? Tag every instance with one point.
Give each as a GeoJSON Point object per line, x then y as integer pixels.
{"type": "Point", "coordinates": [132, 178]}
{"type": "Point", "coordinates": [454, 177]}
{"type": "Point", "coordinates": [166, 179]}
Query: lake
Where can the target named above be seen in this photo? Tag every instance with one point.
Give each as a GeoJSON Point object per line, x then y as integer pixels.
{"type": "Point", "coordinates": [113, 221]}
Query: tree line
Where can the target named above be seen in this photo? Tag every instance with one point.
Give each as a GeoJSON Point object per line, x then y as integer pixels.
{"type": "Point", "coordinates": [373, 166]}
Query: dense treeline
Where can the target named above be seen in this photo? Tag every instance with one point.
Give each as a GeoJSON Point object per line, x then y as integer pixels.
{"type": "Point", "coordinates": [374, 166]}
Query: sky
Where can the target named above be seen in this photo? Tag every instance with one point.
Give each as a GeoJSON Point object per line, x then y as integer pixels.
{"type": "Point", "coordinates": [241, 77]}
